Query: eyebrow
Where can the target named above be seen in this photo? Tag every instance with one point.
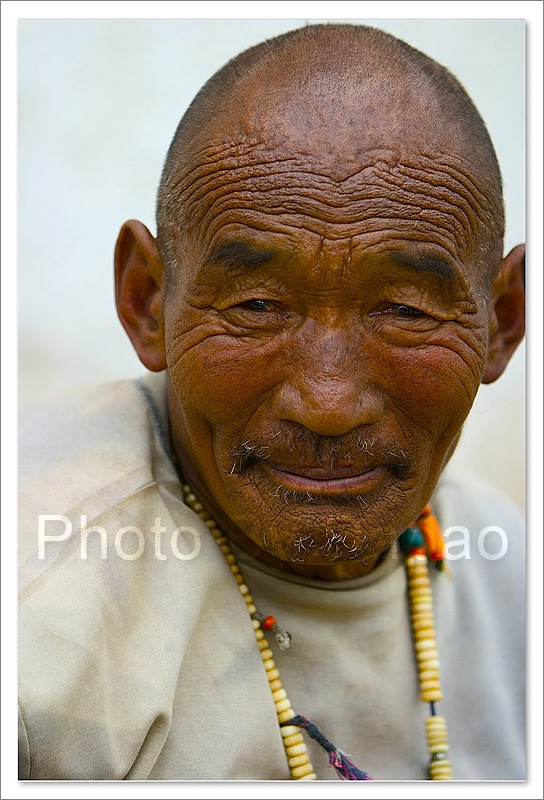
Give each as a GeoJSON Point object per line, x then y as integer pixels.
{"type": "Point", "coordinates": [430, 265]}
{"type": "Point", "coordinates": [234, 256]}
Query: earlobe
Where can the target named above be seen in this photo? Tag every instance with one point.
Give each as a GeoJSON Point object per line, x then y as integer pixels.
{"type": "Point", "coordinates": [139, 285]}
{"type": "Point", "coordinates": [507, 313]}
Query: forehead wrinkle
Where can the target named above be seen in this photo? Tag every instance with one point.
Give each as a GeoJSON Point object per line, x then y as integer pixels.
{"type": "Point", "coordinates": [273, 187]}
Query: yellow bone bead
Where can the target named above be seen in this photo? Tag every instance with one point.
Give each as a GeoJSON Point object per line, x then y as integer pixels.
{"type": "Point", "coordinates": [424, 627]}
{"type": "Point", "coordinates": [212, 525]}
{"type": "Point", "coordinates": [422, 616]}
{"type": "Point", "coordinates": [266, 655]}
{"type": "Point", "coordinates": [432, 696]}
{"type": "Point", "coordinates": [259, 635]}
{"type": "Point", "coordinates": [283, 705]}
{"type": "Point", "coordinates": [239, 579]}
{"type": "Point", "coordinates": [298, 761]}
{"type": "Point", "coordinates": [243, 589]}
{"type": "Point", "coordinates": [289, 730]}
{"type": "Point", "coordinates": [294, 749]}
{"type": "Point", "coordinates": [429, 684]}
{"type": "Point", "coordinates": [425, 633]}
{"type": "Point", "coordinates": [279, 694]}
{"type": "Point", "coordinates": [269, 664]}
{"type": "Point", "coordinates": [429, 675]}
{"type": "Point", "coordinates": [422, 605]}
{"type": "Point", "coordinates": [435, 722]}
{"type": "Point", "coordinates": [256, 624]}
{"type": "Point", "coordinates": [222, 540]}
{"type": "Point", "coordinates": [439, 747]}
{"type": "Point", "coordinates": [427, 655]}
{"type": "Point", "coordinates": [419, 582]}
{"type": "Point", "coordinates": [433, 663]}
{"type": "Point", "coordinates": [251, 609]}
{"type": "Point", "coordinates": [299, 772]}
{"type": "Point", "coordinates": [420, 586]}
{"type": "Point", "coordinates": [441, 771]}
{"type": "Point", "coordinates": [439, 736]}
{"type": "Point", "coordinates": [235, 569]}
{"type": "Point", "coordinates": [291, 741]}
{"type": "Point", "coordinates": [272, 675]}
{"type": "Point", "coordinates": [286, 715]}
{"type": "Point", "coordinates": [189, 496]}
{"type": "Point", "coordinates": [311, 777]}
{"type": "Point", "coordinates": [427, 643]}
{"type": "Point", "coordinates": [416, 561]}
{"type": "Point", "coordinates": [275, 685]}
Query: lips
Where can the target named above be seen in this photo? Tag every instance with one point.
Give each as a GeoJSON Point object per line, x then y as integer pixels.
{"type": "Point", "coordinates": [325, 481]}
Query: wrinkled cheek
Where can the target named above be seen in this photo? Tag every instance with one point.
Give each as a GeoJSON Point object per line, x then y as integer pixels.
{"type": "Point", "coordinates": [436, 388]}
{"type": "Point", "coordinates": [223, 386]}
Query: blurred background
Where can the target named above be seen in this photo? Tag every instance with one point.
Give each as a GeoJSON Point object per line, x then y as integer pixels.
{"type": "Point", "coordinates": [99, 101]}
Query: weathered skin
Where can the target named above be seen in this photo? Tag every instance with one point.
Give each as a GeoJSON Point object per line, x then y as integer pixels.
{"type": "Point", "coordinates": [328, 327]}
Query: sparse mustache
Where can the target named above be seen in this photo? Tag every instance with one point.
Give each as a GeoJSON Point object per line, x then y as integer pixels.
{"type": "Point", "coordinates": [323, 451]}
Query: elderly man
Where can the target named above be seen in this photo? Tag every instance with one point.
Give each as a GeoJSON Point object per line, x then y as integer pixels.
{"type": "Point", "coordinates": [326, 292]}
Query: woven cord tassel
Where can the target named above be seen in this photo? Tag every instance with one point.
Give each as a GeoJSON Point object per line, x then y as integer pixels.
{"type": "Point", "coordinates": [345, 769]}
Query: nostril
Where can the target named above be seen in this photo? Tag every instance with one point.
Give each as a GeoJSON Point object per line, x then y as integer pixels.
{"type": "Point", "coordinates": [327, 407]}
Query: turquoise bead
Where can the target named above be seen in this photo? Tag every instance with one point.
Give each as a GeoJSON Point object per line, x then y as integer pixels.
{"type": "Point", "coordinates": [410, 539]}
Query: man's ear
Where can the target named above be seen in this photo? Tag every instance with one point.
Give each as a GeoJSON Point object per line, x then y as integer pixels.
{"type": "Point", "coordinates": [506, 313]}
{"type": "Point", "coordinates": [139, 289]}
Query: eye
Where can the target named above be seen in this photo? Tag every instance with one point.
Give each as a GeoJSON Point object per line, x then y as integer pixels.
{"type": "Point", "coordinates": [257, 305]}
{"type": "Point", "coordinates": [399, 310]}
{"type": "Point", "coordinates": [406, 311]}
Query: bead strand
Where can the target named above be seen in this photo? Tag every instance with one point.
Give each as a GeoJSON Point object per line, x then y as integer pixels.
{"type": "Point", "coordinates": [422, 619]}
{"type": "Point", "coordinates": [297, 755]}
{"type": "Point", "coordinates": [423, 631]}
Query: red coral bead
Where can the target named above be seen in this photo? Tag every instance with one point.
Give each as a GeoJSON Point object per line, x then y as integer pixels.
{"type": "Point", "coordinates": [269, 621]}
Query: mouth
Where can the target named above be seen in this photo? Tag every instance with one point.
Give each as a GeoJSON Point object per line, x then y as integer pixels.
{"type": "Point", "coordinates": [323, 481]}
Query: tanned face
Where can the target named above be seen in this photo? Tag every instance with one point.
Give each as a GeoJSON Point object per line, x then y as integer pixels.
{"type": "Point", "coordinates": [326, 332]}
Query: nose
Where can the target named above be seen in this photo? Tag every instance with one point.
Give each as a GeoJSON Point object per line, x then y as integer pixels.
{"type": "Point", "coordinates": [328, 384]}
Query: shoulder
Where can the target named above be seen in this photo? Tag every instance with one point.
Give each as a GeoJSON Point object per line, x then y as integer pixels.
{"type": "Point", "coordinates": [85, 452]}
{"type": "Point", "coordinates": [84, 424]}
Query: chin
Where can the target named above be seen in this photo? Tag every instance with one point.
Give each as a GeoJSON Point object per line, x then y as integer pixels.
{"type": "Point", "coordinates": [319, 532]}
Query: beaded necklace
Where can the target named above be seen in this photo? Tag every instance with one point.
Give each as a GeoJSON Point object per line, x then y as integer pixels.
{"type": "Point", "coordinates": [420, 542]}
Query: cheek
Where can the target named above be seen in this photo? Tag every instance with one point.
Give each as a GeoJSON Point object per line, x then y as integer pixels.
{"type": "Point", "coordinates": [225, 381]}
{"type": "Point", "coordinates": [434, 386]}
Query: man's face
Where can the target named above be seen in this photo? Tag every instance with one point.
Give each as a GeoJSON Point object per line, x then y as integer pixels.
{"type": "Point", "coordinates": [325, 338]}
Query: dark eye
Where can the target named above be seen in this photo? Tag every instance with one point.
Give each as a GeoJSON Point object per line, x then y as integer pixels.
{"type": "Point", "coordinates": [257, 305]}
{"type": "Point", "coordinates": [407, 311]}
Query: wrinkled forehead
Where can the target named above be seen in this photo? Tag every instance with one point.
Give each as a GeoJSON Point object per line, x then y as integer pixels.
{"type": "Point", "coordinates": [340, 160]}
{"type": "Point", "coordinates": [337, 192]}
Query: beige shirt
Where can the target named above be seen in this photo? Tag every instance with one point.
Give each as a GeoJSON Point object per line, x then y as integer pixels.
{"type": "Point", "coordinates": [138, 661]}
